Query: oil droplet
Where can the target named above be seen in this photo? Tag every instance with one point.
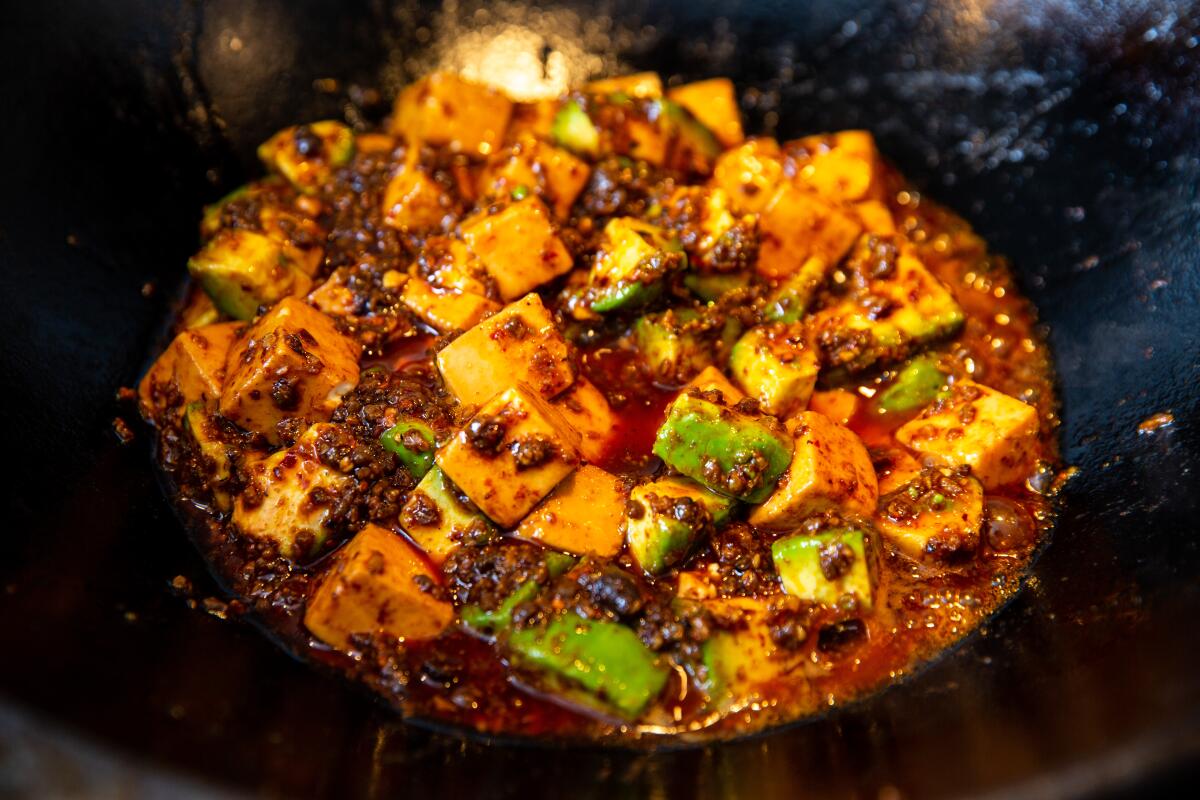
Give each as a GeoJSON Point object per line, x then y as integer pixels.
{"type": "Point", "coordinates": [1155, 422]}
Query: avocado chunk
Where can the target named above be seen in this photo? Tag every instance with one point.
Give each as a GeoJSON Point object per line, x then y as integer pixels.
{"type": "Point", "coordinates": [789, 301]}
{"type": "Point", "coordinates": [664, 519]}
{"type": "Point", "coordinates": [897, 308]}
{"type": "Point", "coordinates": [774, 365]}
{"type": "Point", "coordinates": [632, 264]}
{"type": "Point", "coordinates": [935, 517]}
{"type": "Point", "coordinates": [694, 148]}
{"type": "Point", "coordinates": [677, 343]}
{"type": "Point", "coordinates": [242, 270]}
{"type": "Point", "coordinates": [201, 427]}
{"type": "Point", "coordinates": [307, 154]}
{"type": "Point", "coordinates": [593, 662]}
{"type": "Point", "coordinates": [741, 656]}
{"type": "Point", "coordinates": [710, 286]}
{"type": "Point", "coordinates": [438, 520]}
{"type": "Point", "coordinates": [414, 443]}
{"type": "Point", "coordinates": [573, 129]}
{"type": "Point", "coordinates": [916, 386]}
{"type": "Point", "coordinates": [730, 452]}
{"type": "Point", "coordinates": [826, 567]}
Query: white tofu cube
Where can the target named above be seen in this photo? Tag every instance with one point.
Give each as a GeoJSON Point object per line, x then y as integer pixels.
{"type": "Point", "coordinates": [992, 433]}
{"type": "Point", "coordinates": [518, 247]}
{"type": "Point", "coordinates": [583, 515]}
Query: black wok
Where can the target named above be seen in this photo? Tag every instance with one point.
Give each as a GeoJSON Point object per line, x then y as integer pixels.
{"type": "Point", "coordinates": [1068, 133]}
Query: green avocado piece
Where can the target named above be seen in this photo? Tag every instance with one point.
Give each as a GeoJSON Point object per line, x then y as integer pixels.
{"type": "Point", "coordinates": [677, 343]}
{"type": "Point", "coordinates": [242, 270]}
{"type": "Point", "coordinates": [499, 618]}
{"type": "Point", "coordinates": [825, 567]}
{"type": "Point", "coordinates": [791, 298]}
{"type": "Point", "coordinates": [414, 443]}
{"type": "Point", "coordinates": [633, 262]}
{"type": "Point", "coordinates": [772, 364]}
{"type": "Point", "coordinates": [709, 286]}
{"type": "Point", "coordinates": [916, 386]}
{"type": "Point", "coordinates": [290, 153]}
{"type": "Point", "coordinates": [730, 452]}
{"type": "Point", "coordinates": [694, 147]}
{"type": "Point", "coordinates": [605, 661]}
{"type": "Point", "coordinates": [573, 129]}
{"type": "Point", "coordinates": [666, 517]}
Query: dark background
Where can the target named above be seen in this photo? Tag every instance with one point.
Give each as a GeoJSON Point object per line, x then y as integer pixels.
{"type": "Point", "coordinates": [1067, 132]}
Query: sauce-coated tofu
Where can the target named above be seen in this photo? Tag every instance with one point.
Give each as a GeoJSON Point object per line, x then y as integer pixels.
{"type": "Point", "coordinates": [521, 344]}
{"type": "Point", "coordinates": [711, 378]}
{"type": "Point", "coordinates": [583, 515]}
{"type": "Point", "coordinates": [518, 247]}
{"type": "Point", "coordinates": [799, 224]}
{"type": "Point", "coordinates": [992, 433]}
{"type": "Point", "coordinates": [511, 454]}
{"type": "Point", "coordinates": [552, 172]}
{"type": "Point", "coordinates": [192, 368]}
{"type": "Point", "coordinates": [290, 497]}
{"type": "Point", "coordinates": [445, 311]}
{"type": "Point", "coordinates": [444, 109]}
{"type": "Point", "coordinates": [415, 201]}
{"type": "Point", "coordinates": [750, 174]}
{"type": "Point", "coordinates": [830, 468]}
{"type": "Point", "coordinates": [585, 409]}
{"type": "Point", "coordinates": [376, 585]}
{"type": "Point", "coordinates": [293, 362]}
{"type": "Point", "coordinates": [842, 166]}
{"type": "Point", "coordinates": [714, 103]}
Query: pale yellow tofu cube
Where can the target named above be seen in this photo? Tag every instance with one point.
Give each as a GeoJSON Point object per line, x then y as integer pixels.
{"type": "Point", "coordinates": [711, 378]}
{"type": "Point", "coordinates": [443, 109]}
{"type": "Point", "coordinates": [799, 224]}
{"type": "Point", "coordinates": [335, 296]}
{"type": "Point", "coordinates": [977, 426]}
{"type": "Point", "coordinates": [840, 405]}
{"type": "Point", "coordinates": [511, 454]}
{"type": "Point", "coordinates": [713, 102]}
{"type": "Point", "coordinates": [520, 344]}
{"type": "Point", "coordinates": [637, 84]}
{"type": "Point", "coordinates": [413, 200]}
{"type": "Point", "coordinates": [750, 174]}
{"type": "Point", "coordinates": [830, 469]}
{"type": "Point", "coordinates": [534, 118]}
{"type": "Point", "coordinates": [190, 370]}
{"type": "Point", "coordinates": [842, 166]}
{"type": "Point", "coordinates": [876, 217]}
{"type": "Point", "coordinates": [450, 264]}
{"type": "Point", "coordinates": [518, 247]}
{"type": "Point", "coordinates": [376, 585]}
{"type": "Point", "coordinates": [551, 172]}
{"type": "Point", "coordinates": [585, 409]}
{"type": "Point", "coordinates": [438, 519]}
{"type": "Point", "coordinates": [692, 585]}
{"type": "Point", "coordinates": [213, 450]}
{"type": "Point", "coordinates": [293, 362]}
{"type": "Point", "coordinates": [937, 516]}
{"type": "Point", "coordinates": [894, 467]}
{"type": "Point", "coordinates": [443, 310]}
{"type": "Point", "coordinates": [290, 498]}
{"type": "Point", "coordinates": [583, 515]}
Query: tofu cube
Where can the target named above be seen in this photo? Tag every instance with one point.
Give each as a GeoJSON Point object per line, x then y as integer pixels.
{"type": "Point", "coordinates": [413, 200]}
{"type": "Point", "coordinates": [713, 102]}
{"type": "Point", "coordinates": [842, 166]}
{"type": "Point", "coordinates": [445, 311]}
{"type": "Point", "coordinates": [582, 516]}
{"type": "Point", "coordinates": [293, 362]}
{"type": "Point", "coordinates": [443, 109]}
{"type": "Point", "coordinates": [552, 172]}
{"type": "Point", "coordinates": [511, 454]}
{"type": "Point", "coordinates": [190, 370]}
{"type": "Point", "coordinates": [750, 174]}
{"type": "Point", "coordinates": [840, 405]}
{"type": "Point", "coordinates": [876, 217]}
{"type": "Point", "coordinates": [585, 409]}
{"type": "Point", "coordinates": [830, 469]}
{"type": "Point", "coordinates": [798, 224]}
{"type": "Point", "coordinates": [637, 84]}
{"type": "Point", "coordinates": [937, 516]}
{"type": "Point", "coordinates": [335, 296]}
{"type": "Point", "coordinates": [977, 426]}
{"type": "Point", "coordinates": [518, 247]}
{"type": "Point", "coordinates": [376, 586]}
{"type": "Point", "coordinates": [290, 498]}
{"type": "Point", "coordinates": [437, 519]}
{"type": "Point", "coordinates": [775, 365]}
{"type": "Point", "coordinates": [534, 118]}
{"type": "Point", "coordinates": [520, 344]}
{"type": "Point", "coordinates": [213, 450]}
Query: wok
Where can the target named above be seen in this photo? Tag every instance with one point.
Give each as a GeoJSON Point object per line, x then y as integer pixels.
{"type": "Point", "coordinates": [1067, 133]}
